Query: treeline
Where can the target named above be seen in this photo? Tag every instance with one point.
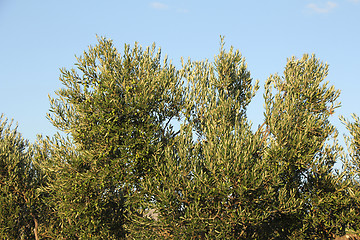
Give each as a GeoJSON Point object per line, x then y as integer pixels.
{"type": "Point", "coordinates": [118, 168]}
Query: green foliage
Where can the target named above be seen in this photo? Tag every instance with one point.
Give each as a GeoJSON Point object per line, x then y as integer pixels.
{"type": "Point", "coordinates": [353, 168]}
{"type": "Point", "coordinates": [227, 181]}
{"type": "Point", "coordinates": [80, 200]}
{"type": "Point", "coordinates": [354, 143]}
{"type": "Point", "coordinates": [121, 171]}
{"type": "Point", "coordinates": [19, 200]}
{"type": "Point", "coordinates": [117, 112]}
{"type": "Point", "coordinates": [214, 185]}
{"type": "Point", "coordinates": [297, 119]}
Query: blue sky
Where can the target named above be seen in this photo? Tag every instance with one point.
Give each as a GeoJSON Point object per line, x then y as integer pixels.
{"type": "Point", "coordinates": [39, 37]}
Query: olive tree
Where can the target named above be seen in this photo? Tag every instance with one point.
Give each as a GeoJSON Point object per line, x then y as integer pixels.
{"type": "Point", "coordinates": [20, 201]}
{"type": "Point", "coordinates": [118, 169]}
{"type": "Point", "coordinates": [299, 140]}
{"type": "Point", "coordinates": [116, 110]}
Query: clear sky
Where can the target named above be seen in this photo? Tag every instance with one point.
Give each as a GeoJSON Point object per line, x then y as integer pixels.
{"type": "Point", "coordinates": [39, 37]}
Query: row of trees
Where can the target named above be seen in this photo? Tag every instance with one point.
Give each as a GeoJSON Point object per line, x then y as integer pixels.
{"type": "Point", "coordinates": [118, 168]}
